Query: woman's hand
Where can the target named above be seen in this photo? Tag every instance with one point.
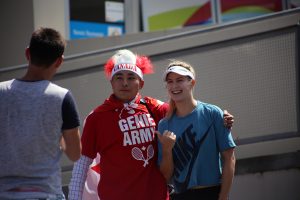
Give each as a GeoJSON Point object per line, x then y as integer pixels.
{"type": "Point", "coordinates": [167, 139]}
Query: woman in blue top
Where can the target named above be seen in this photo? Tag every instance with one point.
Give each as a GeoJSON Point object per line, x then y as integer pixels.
{"type": "Point", "coordinates": [202, 162]}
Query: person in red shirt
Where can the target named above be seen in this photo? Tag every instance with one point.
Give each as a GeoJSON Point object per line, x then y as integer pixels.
{"type": "Point", "coordinates": [122, 132]}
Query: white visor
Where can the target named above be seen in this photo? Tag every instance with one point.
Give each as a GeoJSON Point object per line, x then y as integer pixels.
{"type": "Point", "coordinates": [128, 67]}
{"type": "Point", "coordinates": [179, 70]}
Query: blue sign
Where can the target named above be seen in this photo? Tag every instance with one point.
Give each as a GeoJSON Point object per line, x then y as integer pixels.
{"type": "Point", "coordinates": [80, 29]}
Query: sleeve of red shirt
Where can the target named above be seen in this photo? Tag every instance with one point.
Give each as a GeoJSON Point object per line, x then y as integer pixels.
{"type": "Point", "coordinates": [157, 107]}
{"type": "Point", "coordinates": [88, 138]}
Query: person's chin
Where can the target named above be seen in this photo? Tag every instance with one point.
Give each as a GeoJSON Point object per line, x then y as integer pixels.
{"type": "Point", "coordinates": [177, 99]}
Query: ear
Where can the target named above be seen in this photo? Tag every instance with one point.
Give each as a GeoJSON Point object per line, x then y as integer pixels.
{"type": "Point", "coordinates": [193, 82]}
{"type": "Point", "coordinates": [141, 84]}
{"type": "Point", "coordinates": [27, 53]}
{"type": "Point", "coordinates": [59, 61]}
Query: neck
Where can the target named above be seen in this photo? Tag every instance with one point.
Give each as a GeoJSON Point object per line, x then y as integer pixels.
{"type": "Point", "coordinates": [37, 74]}
{"type": "Point", "coordinates": [185, 107]}
{"type": "Point", "coordinates": [126, 101]}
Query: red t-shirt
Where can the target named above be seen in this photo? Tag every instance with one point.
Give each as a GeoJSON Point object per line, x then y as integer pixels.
{"type": "Point", "coordinates": [124, 137]}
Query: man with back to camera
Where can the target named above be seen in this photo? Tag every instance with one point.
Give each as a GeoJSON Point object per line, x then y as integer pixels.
{"type": "Point", "coordinates": [39, 120]}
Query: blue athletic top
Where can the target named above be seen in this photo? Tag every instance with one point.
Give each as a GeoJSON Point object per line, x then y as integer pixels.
{"type": "Point", "coordinates": [200, 138]}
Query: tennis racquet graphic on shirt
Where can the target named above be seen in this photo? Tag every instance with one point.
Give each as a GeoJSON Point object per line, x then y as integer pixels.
{"type": "Point", "coordinates": [138, 154]}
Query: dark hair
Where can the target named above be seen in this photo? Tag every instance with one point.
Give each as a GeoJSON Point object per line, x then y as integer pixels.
{"type": "Point", "coordinates": [46, 45]}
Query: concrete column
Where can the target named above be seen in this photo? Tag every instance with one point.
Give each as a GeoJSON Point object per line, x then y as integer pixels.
{"type": "Point", "coordinates": [132, 16]}
{"type": "Point", "coordinates": [16, 27]}
{"type": "Point", "coordinates": [53, 14]}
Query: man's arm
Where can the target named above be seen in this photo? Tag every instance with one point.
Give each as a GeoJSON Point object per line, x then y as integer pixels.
{"type": "Point", "coordinates": [70, 141]}
{"type": "Point", "coordinates": [228, 119]}
{"type": "Point", "coordinates": [227, 173]}
{"type": "Point", "coordinates": [71, 144]}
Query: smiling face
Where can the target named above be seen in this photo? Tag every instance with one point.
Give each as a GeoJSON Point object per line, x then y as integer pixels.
{"type": "Point", "coordinates": [126, 85]}
{"type": "Point", "coordinates": [179, 87]}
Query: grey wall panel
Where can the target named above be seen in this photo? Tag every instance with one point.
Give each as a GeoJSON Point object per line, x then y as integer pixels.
{"type": "Point", "coordinates": [253, 77]}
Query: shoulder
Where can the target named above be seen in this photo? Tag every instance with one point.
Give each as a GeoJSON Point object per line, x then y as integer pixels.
{"type": "Point", "coordinates": [157, 107]}
{"type": "Point", "coordinates": [101, 115]}
{"type": "Point", "coordinates": [153, 101]}
{"type": "Point", "coordinates": [209, 109]}
{"type": "Point", "coordinates": [52, 87]}
{"type": "Point", "coordinates": [6, 84]}
{"type": "Point", "coordinates": [155, 104]}
{"type": "Point", "coordinates": [101, 109]}
{"type": "Point", "coordinates": [100, 112]}
{"type": "Point", "coordinates": [90, 118]}
{"type": "Point", "coordinates": [212, 107]}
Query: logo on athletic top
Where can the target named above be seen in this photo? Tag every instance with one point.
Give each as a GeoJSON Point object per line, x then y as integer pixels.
{"type": "Point", "coordinates": [137, 153]}
{"type": "Point", "coordinates": [186, 151]}
{"type": "Point", "coordinates": [139, 129]}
